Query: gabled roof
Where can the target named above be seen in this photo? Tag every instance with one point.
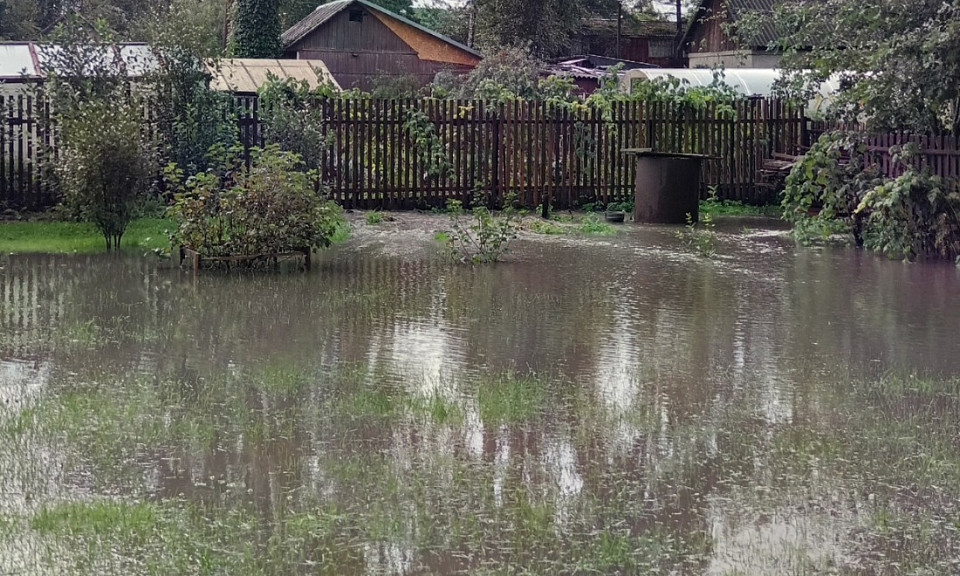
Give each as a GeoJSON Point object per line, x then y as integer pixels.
{"type": "Point", "coordinates": [738, 9]}
{"type": "Point", "coordinates": [325, 12]}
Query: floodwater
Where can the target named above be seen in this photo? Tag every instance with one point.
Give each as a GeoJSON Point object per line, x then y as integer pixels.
{"type": "Point", "coordinates": [612, 405]}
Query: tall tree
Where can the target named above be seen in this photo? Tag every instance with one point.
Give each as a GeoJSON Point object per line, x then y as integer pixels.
{"type": "Point", "coordinates": [256, 29]}
{"type": "Point", "coordinates": [898, 62]}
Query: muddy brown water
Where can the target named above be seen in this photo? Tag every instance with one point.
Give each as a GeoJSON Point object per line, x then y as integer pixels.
{"type": "Point", "coordinates": [682, 395]}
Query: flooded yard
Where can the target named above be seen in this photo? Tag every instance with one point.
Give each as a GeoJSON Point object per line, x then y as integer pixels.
{"type": "Point", "coordinates": [592, 405]}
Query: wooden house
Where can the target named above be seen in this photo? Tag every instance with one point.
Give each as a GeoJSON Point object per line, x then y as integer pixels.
{"type": "Point", "coordinates": [710, 40]}
{"type": "Point", "coordinates": [646, 41]}
{"type": "Point", "coordinates": [362, 43]}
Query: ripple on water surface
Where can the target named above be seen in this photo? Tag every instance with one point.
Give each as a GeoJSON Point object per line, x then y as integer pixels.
{"type": "Point", "coordinates": [615, 405]}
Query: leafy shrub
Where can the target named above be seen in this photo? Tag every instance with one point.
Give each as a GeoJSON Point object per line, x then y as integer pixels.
{"type": "Point", "coordinates": [478, 236]}
{"type": "Point", "coordinates": [699, 236]}
{"type": "Point", "coordinates": [912, 215]}
{"type": "Point", "coordinates": [105, 167]}
{"type": "Point", "coordinates": [625, 206]}
{"type": "Point", "coordinates": [835, 189]}
{"type": "Point", "coordinates": [825, 187]}
{"type": "Point", "coordinates": [269, 207]}
{"type": "Point", "coordinates": [374, 217]}
{"type": "Point", "coordinates": [291, 118]}
{"type": "Point", "coordinates": [507, 74]}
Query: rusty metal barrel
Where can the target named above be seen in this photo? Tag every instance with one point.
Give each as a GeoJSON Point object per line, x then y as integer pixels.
{"type": "Point", "coordinates": [667, 186]}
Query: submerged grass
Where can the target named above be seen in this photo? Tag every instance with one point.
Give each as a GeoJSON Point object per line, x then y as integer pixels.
{"type": "Point", "coordinates": [510, 398]}
{"type": "Point", "coordinates": [716, 207]}
{"type": "Point", "coordinates": [69, 237]}
{"type": "Point", "coordinates": [501, 472]}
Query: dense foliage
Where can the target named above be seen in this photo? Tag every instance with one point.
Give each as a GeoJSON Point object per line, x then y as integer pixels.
{"type": "Point", "coordinates": [836, 189]}
{"type": "Point", "coordinates": [898, 66]}
{"type": "Point", "coordinates": [898, 62]}
{"type": "Point", "coordinates": [292, 120]}
{"type": "Point", "coordinates": [190, 117]}
{"type": "Point", "coordinates": [268, 207]}
{"type": "Point", "coordinates": [105, 167]}
{"type": "Point", "coordinates": [256, 29]}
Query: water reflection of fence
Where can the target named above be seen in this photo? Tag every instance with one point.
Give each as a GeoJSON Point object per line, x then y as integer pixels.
{"type": "Point", "coordinates": [419, 153]}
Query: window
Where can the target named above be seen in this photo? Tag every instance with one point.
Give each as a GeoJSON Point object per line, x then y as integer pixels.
{"type": "Point", "coordinates": [356, 15]}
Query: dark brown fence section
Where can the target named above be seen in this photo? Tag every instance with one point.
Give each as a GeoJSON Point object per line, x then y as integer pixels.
{"type": "Point", "coordinates": [396, 154]}
{"type": "Point", "coordinates": [939, 154]}
{"type": "Point", "coordinates": [417, 153]}
{"type": "Point", "coordinates": [24, 140]}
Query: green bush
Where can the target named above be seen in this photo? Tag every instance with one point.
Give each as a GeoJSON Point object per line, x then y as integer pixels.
{"type": "Point", "coordinates": [105, 167]}
{"type": "Point", "coordinates": [836, 189]}
{"type": "Point", "coordinates": [912, 215]}
{"type": "Point", "coordinates": [478, 236]}
{"type": "Point", "coordinates": [825, 187]}
{"type": "Point", "coordinates": [267, 208]}
{"type": "Point", "coordinates": [292, 120]}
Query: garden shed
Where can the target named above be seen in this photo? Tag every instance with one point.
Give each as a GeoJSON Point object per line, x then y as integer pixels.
{"type": "Point", "coordinates": [361, 43]}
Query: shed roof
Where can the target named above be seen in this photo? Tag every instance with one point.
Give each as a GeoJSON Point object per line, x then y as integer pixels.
{"type": "Point", "coordinates": [325, 12]}
{"type": "Point", "coordinates": [27, 60]}
{"type": "Point", "coordinates": [246, 75]}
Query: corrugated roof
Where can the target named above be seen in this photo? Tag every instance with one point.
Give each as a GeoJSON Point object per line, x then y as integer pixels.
{"type": "Point", "coordinates": [248, 74]}
{"type": "Point", "coordinates": [738, 8]}
{"type": "Point", "coordinates": [325, 12]}
{"type": "Point", "coordinates": [20, 60]}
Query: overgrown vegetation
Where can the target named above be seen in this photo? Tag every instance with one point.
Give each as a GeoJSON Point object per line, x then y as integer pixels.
{"type": "Point", "coordinates": [256, 29]}
{"type": "Point", "coordinates": [266, 208]}
{"type": "Point", "coordinates": [292, 120]}
{"type": "Point", "coordinates": [882, 55]}
{"type": "Point", "coordinates": [479, 235]}
{"type": "Point", "coordinates": [836, 189]}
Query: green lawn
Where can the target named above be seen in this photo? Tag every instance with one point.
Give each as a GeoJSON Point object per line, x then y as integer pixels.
{"type": "Point", "coordinates": [68, 237]}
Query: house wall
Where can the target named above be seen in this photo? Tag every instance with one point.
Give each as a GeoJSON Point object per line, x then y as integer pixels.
{"type": "Point", "coordinates": [359, 53]}
{"type": "Point", "coordinates": [709, 35]}
{"type": "Point", "coordinates": [658, 50]}
{"type": "Point", "coordinates": [735, 59]}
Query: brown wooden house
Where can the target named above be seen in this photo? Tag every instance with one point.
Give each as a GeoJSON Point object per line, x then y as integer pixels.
{"type": "Point", "coordinates": [710, 39]}
{"type": "Point", "coordinates": [362, 43]}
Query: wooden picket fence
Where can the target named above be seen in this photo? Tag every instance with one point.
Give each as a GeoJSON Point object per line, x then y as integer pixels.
{"type": "Point", "coordinates": [939, 153]}
{"type": "Point", "coordinates": [478, 151]}
{"type": "Point", "coordinates": [398, 154]}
